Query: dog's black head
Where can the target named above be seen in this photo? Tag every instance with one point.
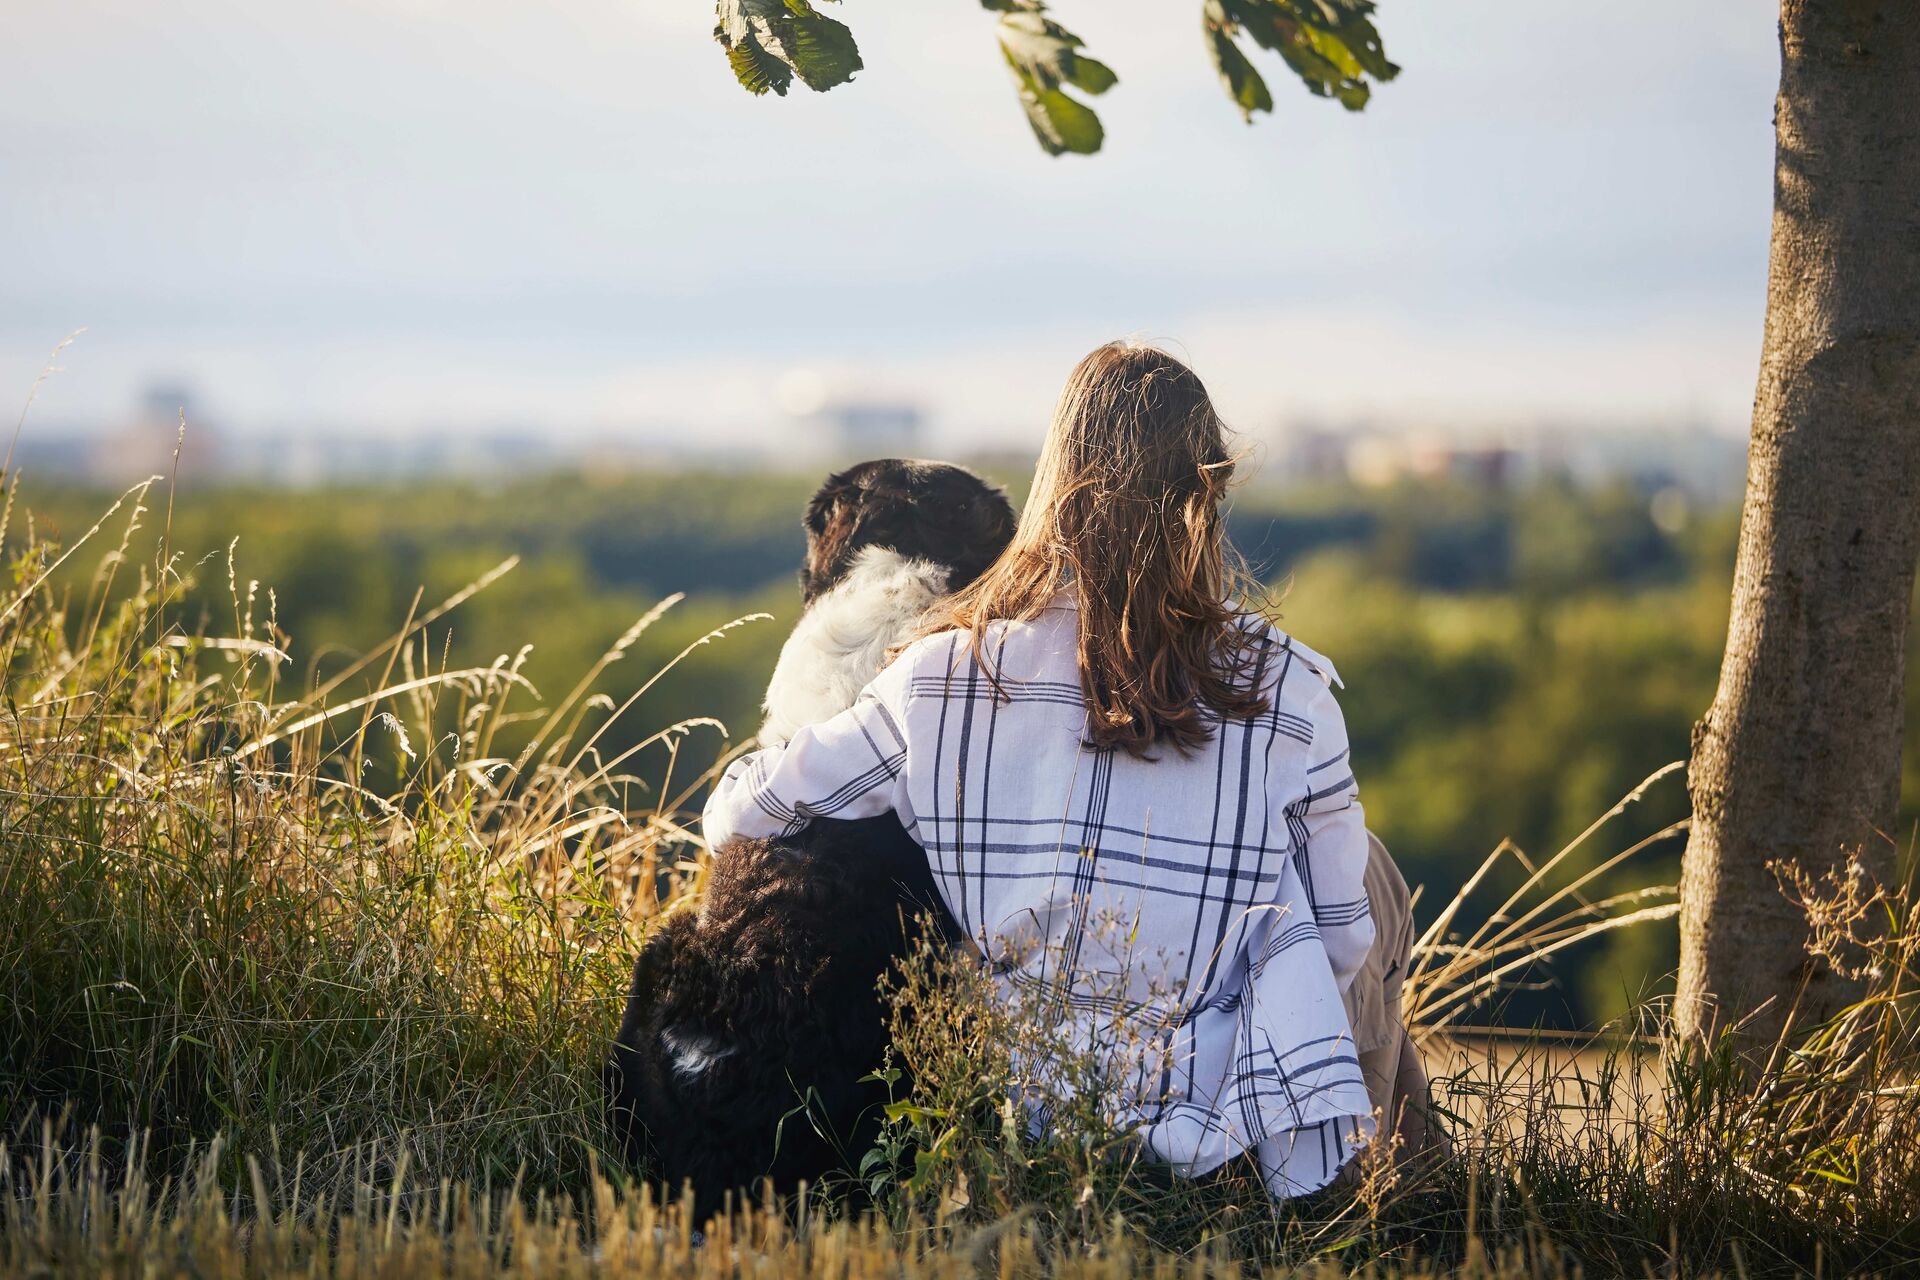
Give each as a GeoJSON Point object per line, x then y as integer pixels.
{"type": "Point", "coordinates": [931, 511]}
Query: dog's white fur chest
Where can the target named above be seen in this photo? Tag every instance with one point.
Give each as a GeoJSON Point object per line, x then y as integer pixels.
{"type": "Point", "coordinates": [692, 1054]}
{"type": "Point", "coordinates": [841, 641]}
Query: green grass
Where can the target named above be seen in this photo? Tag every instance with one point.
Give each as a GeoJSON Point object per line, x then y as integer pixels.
{"type": "Point", "coordinates": [316, 918]}
{"type": "Point", "coordinates": [318, 979]}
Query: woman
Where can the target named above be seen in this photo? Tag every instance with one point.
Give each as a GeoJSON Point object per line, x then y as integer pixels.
{"type": "Point", "coordinates": [1133, 794]}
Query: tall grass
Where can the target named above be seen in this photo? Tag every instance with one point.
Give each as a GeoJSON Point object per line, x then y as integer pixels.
{"type": "Point", "coordinates": [312, 968]}
{"type": "Point", "coordinates": [319, 916]}
{"type": "Point", "coordinates": [1617, 1150]}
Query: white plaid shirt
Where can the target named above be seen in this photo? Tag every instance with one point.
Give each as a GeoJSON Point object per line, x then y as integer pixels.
{"type": "Point", "coordinates": [1215, 902]}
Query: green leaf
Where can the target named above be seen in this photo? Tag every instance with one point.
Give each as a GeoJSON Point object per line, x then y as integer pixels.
{"type": "Point", "coordinates": [1245, 85]}
{"type": "Point", "coordinates": [758, 70]}
{"type": "Point", "coordinates": [1333, 51]}
{"type": "Point", "coordinates": [1045, 59]}
{"type": "Point", "coordinates": [1060, 123]}
{"type": "Point", "coordinates": [769, 42]}
{"type": "Point", "coordinates": [1331, 45]}
{"type": "Point", "coordinates": [824, 53]}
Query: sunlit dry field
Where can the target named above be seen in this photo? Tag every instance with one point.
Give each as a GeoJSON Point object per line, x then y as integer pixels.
{"type": "Point", "coordinates": [316, 978]}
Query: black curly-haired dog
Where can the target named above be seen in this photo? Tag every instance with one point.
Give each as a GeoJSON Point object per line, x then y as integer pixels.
{"type": "Point", "coordinates": [750, 1025]}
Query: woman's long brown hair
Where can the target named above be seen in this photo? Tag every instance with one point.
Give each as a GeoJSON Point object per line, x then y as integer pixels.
{"type": "Point", "coordinates": [1125, 511]}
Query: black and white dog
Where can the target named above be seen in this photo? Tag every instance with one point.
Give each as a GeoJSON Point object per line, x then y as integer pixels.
{"type": "Point", "coordinates": [749, 1026]}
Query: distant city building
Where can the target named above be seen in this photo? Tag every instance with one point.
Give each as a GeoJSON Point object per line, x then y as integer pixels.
{"type": "Point", "coordinates": [875, 428]}
{"type": "Point", "coordinates": [145, 443]}
{"type": "Point", "coordinates": [1690, 467]}
{"type": "Point", "coordinates": [168, 402]}
{"type": "Point", "coordinates": [1705, 465]}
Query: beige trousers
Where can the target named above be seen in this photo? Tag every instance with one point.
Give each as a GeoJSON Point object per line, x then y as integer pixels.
{"type": "Point", "coordinates": [1396, 1080]}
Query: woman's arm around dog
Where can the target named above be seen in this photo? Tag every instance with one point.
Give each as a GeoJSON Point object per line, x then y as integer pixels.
{"type": "Point", "coordinates": [850, 766]}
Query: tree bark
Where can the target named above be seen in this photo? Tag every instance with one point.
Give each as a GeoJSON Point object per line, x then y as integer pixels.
{"type": "Point", "coordinates": [1799, 758]}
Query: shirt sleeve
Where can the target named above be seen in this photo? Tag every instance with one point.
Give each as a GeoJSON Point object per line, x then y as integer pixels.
{"type": "Point", "coordinates": [850, 766]}
{"type": "Point", "coordinates": [1330, 835]}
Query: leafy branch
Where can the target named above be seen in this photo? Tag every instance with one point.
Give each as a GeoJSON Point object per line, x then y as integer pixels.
{"type": "Point", "coordinates": [1044, 58]}
{"type": "Point", "coordinates": [768, 42]}
{"type": "Point", "coordinates": [1331, 45]}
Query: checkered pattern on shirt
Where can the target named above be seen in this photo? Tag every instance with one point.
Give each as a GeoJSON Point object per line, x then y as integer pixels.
{"type": "Point", "coordinates": [1215, 900]}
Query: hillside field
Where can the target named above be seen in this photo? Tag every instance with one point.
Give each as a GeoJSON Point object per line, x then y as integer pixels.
{"type": "Point", "coordinates": [317, 897]}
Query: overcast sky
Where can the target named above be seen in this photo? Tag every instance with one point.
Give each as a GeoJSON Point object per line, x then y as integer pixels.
{"type": "Point", "coordinates": [400, 214]}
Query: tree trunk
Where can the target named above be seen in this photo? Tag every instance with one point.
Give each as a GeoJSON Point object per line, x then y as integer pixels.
{"type": "Point", "coordinates": [1799, 758]}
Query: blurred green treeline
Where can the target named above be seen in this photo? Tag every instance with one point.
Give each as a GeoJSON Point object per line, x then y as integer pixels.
{"type": "Point", "coordinates": [1514, 659]}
